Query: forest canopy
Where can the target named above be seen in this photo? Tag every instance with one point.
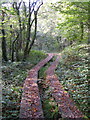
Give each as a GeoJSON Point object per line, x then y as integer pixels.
{"type": "Point", "coordinates": [30, 31]}
{"type": "Point", "coordinates": [22, 23]}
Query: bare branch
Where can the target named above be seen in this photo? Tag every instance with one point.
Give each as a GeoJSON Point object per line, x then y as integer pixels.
{"type": "Point", "coordinates": [32, 22]}
{"type": "Point", "coordinates": [39, 6]}
{"type": "Point", "coordinates": [34, 5]}
{"type": "Point", "coordinates": [20, 4]}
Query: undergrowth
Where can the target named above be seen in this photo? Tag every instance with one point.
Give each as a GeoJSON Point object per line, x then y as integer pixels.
{"type": "Point", "coordinates": [49, 105]}
{"type": "Point", "coordinates": [13, 76]}
{"type": "Point", "coordinates": [73, 71]}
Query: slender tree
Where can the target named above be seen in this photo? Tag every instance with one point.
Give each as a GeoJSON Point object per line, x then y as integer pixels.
{"type": "Point", "coordinates": [89, 22]}
{"type": "Point", "coordinates": [33, 8]}
{"type": "Point", "coordinates": [28, 32]}
{"type": "Point", "coordinates": [17, 9]}
{"type": "Point", "coordinates": [13, 48]}
{"type": "Point", "coordinates": [4, 51]}
{"type": "Point", "coordinates": [35, 31]}
{"type": "Point", "coordinates": [82, 31]}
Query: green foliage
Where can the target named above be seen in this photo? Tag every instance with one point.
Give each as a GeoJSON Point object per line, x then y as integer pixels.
{"type": "Point", "coordinates": [11, 102]}
{"type": "Point", "coordinates": [49, 105]}
{"type": "Point", "coordinates": [73, 14]}
{"type": "Point", "coordinates": [35, 56]}
{"type": "Point", "coordinates": [73, 67]}
{"type": "Point", "coordinates": [50, 108]}
{"type": "Point", "coordinates": [42, 71]}
{"type": "Point", "coordinates": [13, 76]}
{"type": "Point", "coordinates": [73, 71]}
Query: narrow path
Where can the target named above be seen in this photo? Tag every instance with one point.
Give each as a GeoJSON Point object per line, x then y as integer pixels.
{"type": "Point", "coordinates": [31, 106]}
{"type": "Point", "coordinates": [30, 103]}
{"type": "Point", "coordinates": [66, 106]}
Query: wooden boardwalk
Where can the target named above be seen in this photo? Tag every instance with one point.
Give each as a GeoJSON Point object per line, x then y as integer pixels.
{"type": "Point", "coordinates": [30, 103]}
{"type": "Point", "coordinates": [31, 106]}
{"type": "Point", "coordinates": [67, 107]}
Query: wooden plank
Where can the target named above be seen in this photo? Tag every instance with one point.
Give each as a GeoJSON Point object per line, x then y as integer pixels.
{"type": "Point", "coordinates": [30, 103]}
{"type": "Point", "coordinates": [66, 105]}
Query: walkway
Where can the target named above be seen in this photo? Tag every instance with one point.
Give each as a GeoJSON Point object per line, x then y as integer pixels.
{"type": "Point", "coordinates": [31, 106]}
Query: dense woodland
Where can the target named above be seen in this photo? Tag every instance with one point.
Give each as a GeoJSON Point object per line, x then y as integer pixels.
{"type": "Point", "coordinates": [30, 30]}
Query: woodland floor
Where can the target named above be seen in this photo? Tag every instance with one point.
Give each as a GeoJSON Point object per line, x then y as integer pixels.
{"type": "Point", "coordinates": [31, 105]}
{"type": "Point", "coordinates": [43, 94]}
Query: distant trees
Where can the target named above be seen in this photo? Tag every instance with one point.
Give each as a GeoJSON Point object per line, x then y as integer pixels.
{"type": "Point", "coordinates": [76, 24]}
{"type": "Point", "coordinates": [66, 19]}
{"type": "Point", "coordinates": [66, 23]}
{"type": "Point", "coordinates": [32, 9]}
{"type": "Point", "coordinates": [19, 28]}
{"type": "Point", "coordinates": [47, 32]}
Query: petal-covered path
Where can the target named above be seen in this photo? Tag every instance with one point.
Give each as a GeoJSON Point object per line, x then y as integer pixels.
{"type": "Point", "coordinates": [31, 106]}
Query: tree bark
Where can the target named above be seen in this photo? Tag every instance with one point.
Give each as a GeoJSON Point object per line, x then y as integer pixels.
{"type": "Point", "coordinates": [35, 18]}
{"type": "Point", "coordinates": [35, 32]}
{"type": "Point", "coordinates": [13, 49]}
{"type": "Point", "coordinates": [17, 9]}
{"type": "Point", "coordinates": [4, 51]}
{"type": "Point", "coordinates": [10, 47]}
{"type": "Point", "coordinates": [28, 33]}
{"type": "Point", "coordinates": [30, 23]}
{"type": "Point", "coordinates": [82, 31]}
{"type": "Point", "coordinates": [17, 50]}
{"type": "Point", "coordinates": [20, 32]}
{"type": "Point", "coordinates": [88, 22]}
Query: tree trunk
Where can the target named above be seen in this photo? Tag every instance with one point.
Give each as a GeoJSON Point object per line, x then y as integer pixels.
{"type": "Point", "coordinates": [24, 26]}
{"type": "Point", "coordinates": [30, 23]}
{"type": "Point", "coordinates": [19, 40]}
{"type": "Point", "coordinates": [4, 51]}
{"type": "Point", "coordinates": [35, 32]}
{"type": "Point", "coordinates": [13, 49]}
{"type": "Point", "coordinates": [28, 34]}
{"type": "Point", "coordinates": [17, 50]}
{"type": "Point", "coordinates": [20, 31]}
{"type": "Point", "coordinates": [82, 31]}
{"type": "Point", "coordinates": [17, 9]}
{"type": "Point", "coordinates": [10, 47]}
{"type": "Point", "coordinates": [88, 22]}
